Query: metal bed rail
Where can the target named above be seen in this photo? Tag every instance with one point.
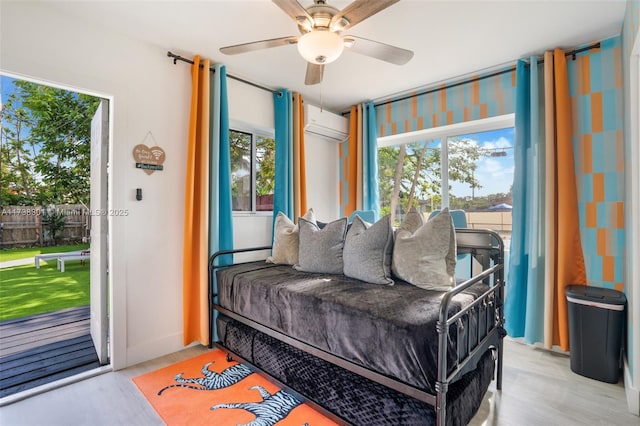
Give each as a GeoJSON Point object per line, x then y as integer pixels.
{"type": "Point", "coordinates": [487, 248]}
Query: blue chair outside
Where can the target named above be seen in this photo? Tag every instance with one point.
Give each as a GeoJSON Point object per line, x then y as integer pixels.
{"type": "Point", "coordinates": [366, 215]}
{"type": "Point", "coordinates": [459, 217]}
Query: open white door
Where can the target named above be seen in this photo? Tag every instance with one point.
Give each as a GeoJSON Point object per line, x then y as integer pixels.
{"type": "Point", "coordinates": [99, 230]}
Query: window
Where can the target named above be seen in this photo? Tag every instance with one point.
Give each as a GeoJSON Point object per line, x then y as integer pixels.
{"type": "Point", "coordinates": [252, 171]}
{"type": "Point", "coordinates": [463, 167]}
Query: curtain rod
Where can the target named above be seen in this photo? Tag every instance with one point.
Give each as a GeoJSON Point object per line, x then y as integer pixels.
{"type": "Point", "coordinates": [571, 53]}
{"type": "Point", "coordinates": [177, 58]}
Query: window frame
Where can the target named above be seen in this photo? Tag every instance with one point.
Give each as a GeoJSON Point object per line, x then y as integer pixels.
{"type": "Point", "coordinates": [255, 132]}
{"type": "Point", "coordinates": [444, 133]}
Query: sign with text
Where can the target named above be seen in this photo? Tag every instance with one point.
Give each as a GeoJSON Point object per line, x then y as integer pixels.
{"type": "Point", "coordinates": [148, 159]}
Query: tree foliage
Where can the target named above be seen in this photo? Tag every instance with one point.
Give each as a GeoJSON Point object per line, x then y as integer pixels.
{"type": "Point", "coordinates": [411, 174]}
{"type": "Point", "coordinates": [17, 155]}
{"type": "Point", "coordinates": [266, 166]}
{"type": "Point", "coordinates": [241, 163]}
{"type": "Point", "coordinates": [46, 145]}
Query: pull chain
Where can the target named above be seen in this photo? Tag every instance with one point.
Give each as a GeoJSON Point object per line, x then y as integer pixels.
{"type": "Point", "coordinates": [321, 95]}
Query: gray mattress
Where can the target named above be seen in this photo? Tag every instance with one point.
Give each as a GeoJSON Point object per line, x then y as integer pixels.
{"type": "Point", "coordinates": [389, 329]}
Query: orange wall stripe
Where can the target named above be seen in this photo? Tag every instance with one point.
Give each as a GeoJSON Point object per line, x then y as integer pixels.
{"type": "Point", "coordinates": [617, 63]}
{"type": "Point", "coordinates": [603, 237]}
{"type": "Point", "coordinates": [414, 106]}
{"type": "Point", "coordinates": [484, 111]}
{"type": "Point", "coordinates": [596, 112]}
{"type": "Point", "coordinates": [620, 151]}
{"type": "Point", "coordinates": [618, 214]}
{"type": "Point", "coordinates": [475, 93]}
{"type": "Point", "coordinates": [387, 112]}
{"type": "Point", "coordinates": [592, 215]}
{"type": "Point", "coordinates": [587, 154]}
{"type": "Point", "coordinates": [608, 268]}
{"type": "Point", "coordinates": [584, 65]}
{"type": "Point", "coordinates": [598, 187]}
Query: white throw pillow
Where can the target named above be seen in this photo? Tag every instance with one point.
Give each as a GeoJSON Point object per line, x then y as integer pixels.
{"type": "Point", "coordinates": [424, 254]}
{"type": "Point", "coordinates": [286, 239]}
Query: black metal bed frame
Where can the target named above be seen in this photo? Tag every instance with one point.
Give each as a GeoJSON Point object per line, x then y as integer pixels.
{"type": "Point", "coordinates": [487, 253]}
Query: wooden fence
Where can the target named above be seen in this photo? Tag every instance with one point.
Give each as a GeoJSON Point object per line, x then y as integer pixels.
{"type": "Point", "coordinates": [26, 226]}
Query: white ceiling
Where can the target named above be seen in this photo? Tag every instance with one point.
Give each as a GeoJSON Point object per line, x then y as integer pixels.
{"type": "Point", "coordinates": [450, 38]}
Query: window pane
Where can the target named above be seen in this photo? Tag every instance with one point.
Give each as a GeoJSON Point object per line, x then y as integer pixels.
{"type": "Point", "coordinates": [481, 178]}
{"type": "Point", "coordinates": [265, 173]}
{"type": "Point", "coordinates": [240, 170]}
{"type": "Point", "coordinates": [409, 177]}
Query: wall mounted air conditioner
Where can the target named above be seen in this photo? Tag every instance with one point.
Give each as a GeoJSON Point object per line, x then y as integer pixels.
{"type": "Point", "coordinates": [326, 124]}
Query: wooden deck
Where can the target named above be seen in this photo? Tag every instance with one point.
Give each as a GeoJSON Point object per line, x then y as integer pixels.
{"type": "Point", "coordinates": [44, 348]}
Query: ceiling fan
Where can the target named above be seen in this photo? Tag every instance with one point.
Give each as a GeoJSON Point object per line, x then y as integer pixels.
{"type": "Point", "coordinates": [321, 41]}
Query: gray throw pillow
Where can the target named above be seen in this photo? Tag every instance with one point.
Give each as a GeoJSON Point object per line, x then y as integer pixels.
{"type": "Point", "coordinates": [367, 251]}
{"type": "Point", "coordinates": [285, 239]}
{"type": "Point", "coordinates": [320, 250]}
{"type": "Point", "coordinates": [425, 254]}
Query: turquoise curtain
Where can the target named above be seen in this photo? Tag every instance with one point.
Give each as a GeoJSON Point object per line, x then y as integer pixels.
{"type": "Point", "coordinates": [524, 304]}
{"type": "Point", "coordinates": [283, 191]}
{"type": "Point", "coordinates": [220, 207]}
{"type": "Point", "coordinates": [370, 180]}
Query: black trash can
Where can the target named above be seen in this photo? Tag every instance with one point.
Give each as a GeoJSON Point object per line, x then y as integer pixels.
{"type": "Point", "coordinates": [596, 323]}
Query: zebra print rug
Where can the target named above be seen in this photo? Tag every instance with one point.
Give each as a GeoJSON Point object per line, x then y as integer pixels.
{"type": "Point", "coordinates": [209, 390]}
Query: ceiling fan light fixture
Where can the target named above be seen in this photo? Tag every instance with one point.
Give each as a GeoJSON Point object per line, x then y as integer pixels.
{"type": "Point", "coordinates": [320, 46]}
{"type": "Point", "coordinates": [304, 24]}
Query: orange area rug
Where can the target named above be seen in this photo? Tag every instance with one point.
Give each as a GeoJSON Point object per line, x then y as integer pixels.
{"type": "Point", "coordinates": [209, 390]}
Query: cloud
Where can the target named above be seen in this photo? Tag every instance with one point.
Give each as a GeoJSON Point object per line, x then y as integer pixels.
{"type": "Point", "coordinates": [500, 143]}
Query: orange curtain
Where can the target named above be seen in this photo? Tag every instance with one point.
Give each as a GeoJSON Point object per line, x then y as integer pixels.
{"type": "Point", "coordinates": [359, 157]}
{"type": "Point", "coordinates": [350, 165]}
{"type": "Point", "coordinates": [567, 266]}
{"type": "Point", "coordinates": [299, 168]}
{"type": "Point", "coordinates": [195, 244]}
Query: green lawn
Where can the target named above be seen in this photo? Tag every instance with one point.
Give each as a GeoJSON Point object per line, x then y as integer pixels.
{"type": "Point", "coordinates": [25, 290]}
{"type": "Point", "coordinates": [14, 254]}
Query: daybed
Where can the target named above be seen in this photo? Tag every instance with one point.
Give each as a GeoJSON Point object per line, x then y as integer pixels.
{"type": "Point", "coordinates": [365, 353]}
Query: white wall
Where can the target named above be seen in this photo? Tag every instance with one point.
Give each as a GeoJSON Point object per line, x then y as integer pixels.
{"type": "Point", "coordinates": [149, 94]}
{"type": "Point", "coordinates": [323, 176]}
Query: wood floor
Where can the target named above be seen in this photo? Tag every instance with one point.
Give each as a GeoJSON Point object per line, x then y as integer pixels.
{"type": "Point", "coordinates": [538, 389]}
{"type": "Point", "coordinates": [44, 348]}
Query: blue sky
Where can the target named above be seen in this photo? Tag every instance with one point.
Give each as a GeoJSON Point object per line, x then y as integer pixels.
{"type": "Point", "coordinates": [495, 174]}
{"type": "Point", "coordinates": [7, 90]}
{"type": "Point", "coordinates": [7, 87]}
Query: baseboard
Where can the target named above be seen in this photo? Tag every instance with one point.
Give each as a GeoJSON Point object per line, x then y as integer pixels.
{"type": "Point", "coordinates": [633, 393]}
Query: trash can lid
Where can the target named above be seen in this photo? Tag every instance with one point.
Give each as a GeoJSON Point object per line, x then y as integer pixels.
{"type": "Point", "coordinates": [595, 294]}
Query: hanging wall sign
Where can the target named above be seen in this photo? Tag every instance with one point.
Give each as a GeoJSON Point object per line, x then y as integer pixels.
{"type": "Point", "coordinates": [147, 158]}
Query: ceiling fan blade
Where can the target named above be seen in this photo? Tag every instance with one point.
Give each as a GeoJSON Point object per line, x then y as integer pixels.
{"type": "Point", "coordinates": [358, 11]}
{"type": "Point", "coordinates": [314, 74]}
{"type": "Point", "coordinates": [375, 49]}
{"type": "Point", "coordinates": [294, 10]}
{"type": "Point", "coordinates": [258, 45]}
